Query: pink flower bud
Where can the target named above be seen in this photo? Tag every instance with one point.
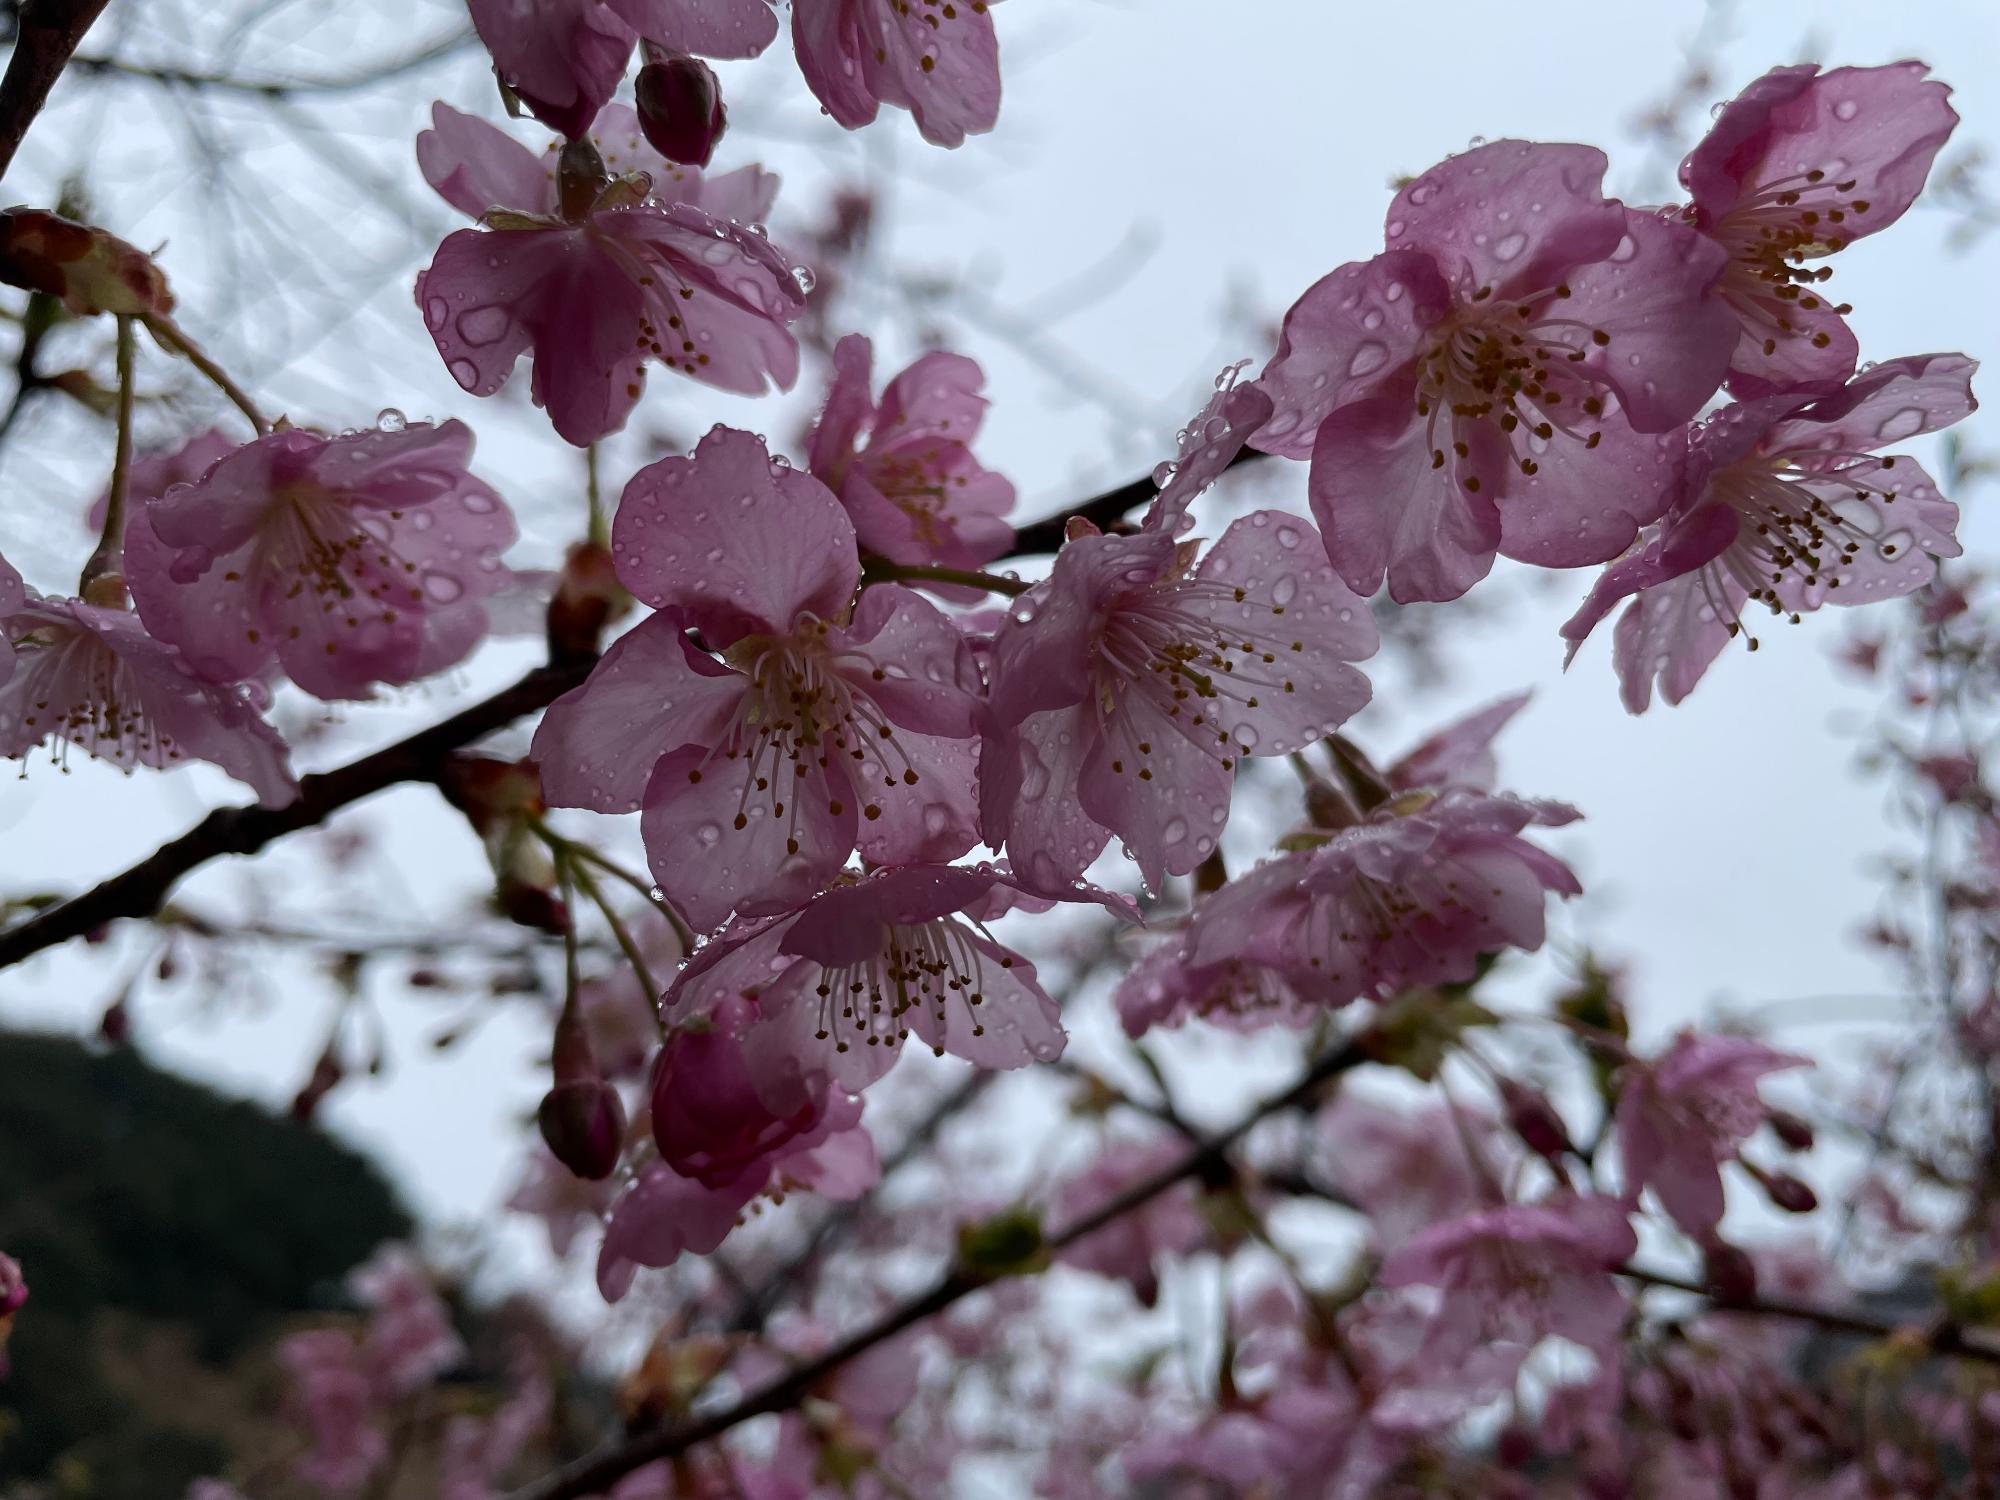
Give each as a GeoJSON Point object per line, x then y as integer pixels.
{"type": "Point", "coordinates": [1730, 1274]}
{"type": "Point", "coordinates": [1793, 1131]}
{"type": "Point", "coordinates": [584, 1125]}
{"type": "Point", "coordinates": [680, 108]}
{"type": "Point", "coordinates": [1790, 1193]}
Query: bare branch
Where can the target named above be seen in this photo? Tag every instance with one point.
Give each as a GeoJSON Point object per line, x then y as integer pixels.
{"type": "Point", "coordinates": [50, 31]}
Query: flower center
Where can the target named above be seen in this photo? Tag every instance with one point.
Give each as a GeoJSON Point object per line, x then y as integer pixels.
{"type": "Point", "coordinates": [1771, 232]}
{"type": "Point", "coordinates": [923, 967]}
{"type": "Point", "coordinates": [1517, 368]}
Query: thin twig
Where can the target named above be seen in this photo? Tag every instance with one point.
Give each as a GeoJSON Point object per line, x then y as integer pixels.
{"type": "Point", "coordinates": [170, 338]}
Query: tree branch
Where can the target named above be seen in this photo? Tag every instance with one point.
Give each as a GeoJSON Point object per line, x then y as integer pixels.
{"type": "Point", "coordinates": [141, 890]}
{"type": "Point", "coordinates": [49, 33]}
{"type": "Point", "coordinates": [595, 1473]}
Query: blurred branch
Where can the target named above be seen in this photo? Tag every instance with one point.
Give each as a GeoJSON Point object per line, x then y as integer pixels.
{"type": "Point", "coordinates": [141, 890]}
{"type": "Point", "coordinates": [280, 88]}
{"type": "Point", "coordinates": [49, 33]}
{"type": "Point", "coordinates": [596, 1473]}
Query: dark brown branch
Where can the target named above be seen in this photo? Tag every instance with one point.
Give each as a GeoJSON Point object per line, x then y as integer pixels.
{"type": "Point", "coordinates": [595, 1473]}
{"type": "Point", "coordinates": [49, 33]}
{"type": "Point", "coordinates": [1102, 511]}
{"type": "Point", "coordinates": [141, 890]}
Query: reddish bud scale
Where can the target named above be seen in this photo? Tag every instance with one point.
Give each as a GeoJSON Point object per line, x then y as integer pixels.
{"type": "Point", "coordinates": [584, 1126]}
{"type": "Point", "coordinates": [587, 599]}
{"type": "Point", "coordinates": [90, 271]}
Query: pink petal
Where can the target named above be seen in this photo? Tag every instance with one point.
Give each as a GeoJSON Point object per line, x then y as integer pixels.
{"type": "Point", "coordinates": [717, 841]}
{"type": "Point", "coordinates": [1387, 512]}
{"type": "Point", "coordinates": [1461, 753]}
{"type": "Point", "coordinates": [848, 411]}
{"type": "Point", "coordinates": [1208, 446]}
{"type": "Point", "coordinates": [934, 817]}
{"type": "Point", "coordinates": [476, 166]}
{"type": "Point", "coordinates": [1015, 1023]}
{"type": "Point", "coordinates": [740, 544]}
{"type": "Point", "coordinates": [664, 1216]}
{"type": "Point", "coordinates": [13, 594]}
{"type": "Point", "coordinates": [1028, 789]}
{"type": "Point", "coordinates": [943, 68]}
{"type": "Point", "coordinates": [1511, 215]}
{"type": "Point", "coordinates": [708, 28]}
{"type": "Point", "coordinates": [912, 661]}
{"type": "Point", "coordinates": [489, 296]}
{"type": "Point", "coordinates": [1168, 801]}
{"type": "Point", "coordinates": [652, 692]}
{"type": "Point", "coordinates": [1894, 401]}
{"type": "Point", "coordinates": [1292, 602]}
{"type": "Point", "coordinates": [1354, 329]}
{"type": "Point", "coordinates": [1684, 545]}
{"type": "Point", "coordinates": [1585, 505]}
{"type": "Point", "coordinates": [1878, 127]}
{"type": "Point", "coordinates": [1671, 334]}
{"type": "Point", "coordinates": [1672, 631]}
{"type": "Point", "coordinates": [563, 58]}
{"type": "Point", "coordinates": [827, 35]}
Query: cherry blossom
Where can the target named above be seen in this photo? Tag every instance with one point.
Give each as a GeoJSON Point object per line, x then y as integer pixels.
{"type": "Point", "coordinates": [564, 58]}
{"type": "Point", "coordinates": [1126, 685]}
{"type": "Point", "coordinates": [478, 168]}
{"type": "Point", "coordinates": [1496, 380]}
{"type": "Point", "coordinates": [1785, 503]}
{"type": "Point", "coordinates": [349, 560]}
{"type": "Point", "coordinates": [13, 597]}
{"type": "Point", "coordinates": [664, 1215]}
{"type": "Point", "coordinates": [937, 59]}
{"type": "Point", "coordinates": [711, 1119]}
{"type": "Point", "coordinates": [913, 490]}
{"type": "Point", "coordinates": [1506, 1279]}
{"type": "Point", "coordinates": [1680, 1117]}
{"type": "Point", "coordinates": [1408, 1169]}
{"type": "Point", "coordinates": [1796, 168]}
{"type": "Point", "coordinates": [1412, 896]}
{"type": "Point", "coordinates": [843, 979]}
{"type": "Point", "coordinates": [333, 1400]}
{"type": "Point", "coordinates": [817, 731]}
{"type": "Point", "coordinates": [625, 271]}
{"type": "Point", "coordinates": [91, 677]}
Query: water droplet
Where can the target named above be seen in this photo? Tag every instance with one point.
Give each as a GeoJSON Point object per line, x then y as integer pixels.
{"type": "Point", "coordinates": [1510, 246]}
{"type": "Point", "coordinates": [391, 420]}
{"type": "Point", "coordinates": [1847, 109]}
{"type": "Point", "coordinates": [1368, 358]}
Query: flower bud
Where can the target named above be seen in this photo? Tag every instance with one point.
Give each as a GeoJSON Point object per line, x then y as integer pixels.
{"type": "Point", "coordinates": [1789, 1128]}
{"type": "Point", "coordinates": [584, 1125]}
{"type": "Point", "coordinates": [588, 598]}
{"type": "Point", "coordinates": [1730, 1274]}
{"type": "Point", "coordinates": [680, 108]}
{"type": "Point", "coordinates": [89, 270]}
{"type": "Point", "coordinates": [1531, 1117]}
{"type": "Point", "coordinates": [1788, 1192]}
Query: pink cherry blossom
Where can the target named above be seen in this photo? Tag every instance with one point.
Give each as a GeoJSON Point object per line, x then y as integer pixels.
{"type": "Point", "coordinates": [1132, 1246]}
{"type": "Point", "coordinates": [1797, 167]}
{"type": "Point", "coordinates": [841, 981]}
{"type": "Point", "coordinates": [347, 560]}
{"type": "Point", "coordinates": [913, 490]}
{"type": "Point", "coordinates": [477, 168]}
{"type": "Point", "coordinates": [564, 58]}
{"type": "Point", "coordinates": [93, 678]}
{"type": "Point", "coordinates": [711, 1118]}
{"type": "Point", "coordinates": [1167, 988]}
{"type": "Point", "coordinates": [13, 1287]}
{"type": "Point", "coordinates": [1495, 381]}
{"type": "Point", "coordinates": [565, 1203]}
{"type": "Point", "coordinates": [1786, 504]}
{"type": "Point", "coordinates": [665, 1215]}
{"type": "Point", "coordinates": [1459, 754]}
{"type": "Point", "coordinates": [1127, 684]}
{"type": "Point", "coordinates": [478, 1450]}
{"type": "Point", "coordinates": [1683, 1115]}
{"type": "Point", "coordinates": [816, 733]}
{"type": "Point", "coordinates": [335, 1401]}
{"type": "Point", "coordinates": [1506, 1279]}
{"type": "Point", "coordinates": [626, 271]}
{"type": "Point", "coordinates": [410, 1340]}
{"type": "Point", "coordinates": [1412, 896]}
{"type": "Point", "coordinates": [938, 60]}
